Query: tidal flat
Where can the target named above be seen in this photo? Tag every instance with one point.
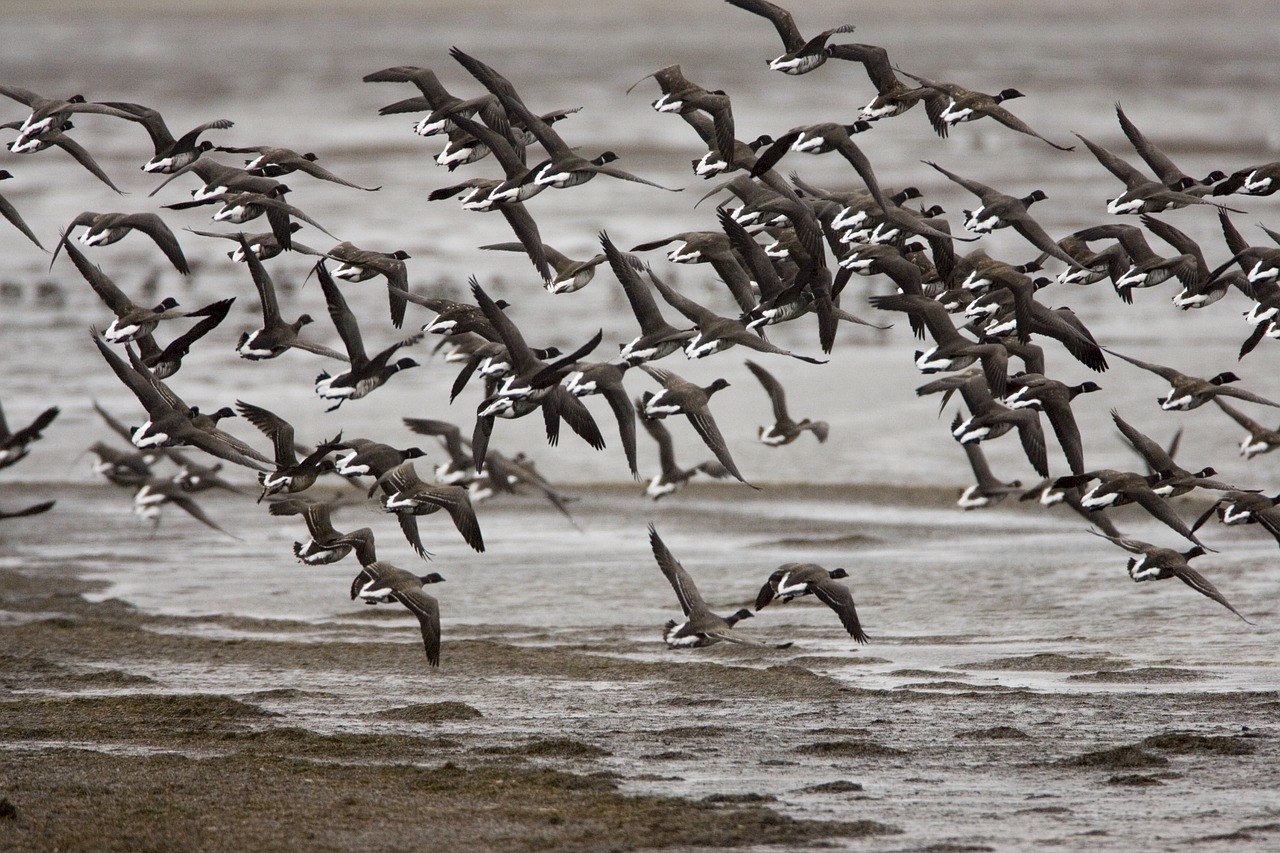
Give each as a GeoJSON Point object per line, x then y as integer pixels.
{"type": "Point", "coordinates": [176, 688]}
{"type": "Point", "coordinates": [129, 730]}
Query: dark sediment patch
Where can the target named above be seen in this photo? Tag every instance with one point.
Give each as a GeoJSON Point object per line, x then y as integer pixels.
{"type": "Point", "coordinates": [833, 660]}
{"type": "Point", "coordinates": [840, 786]}
{"type": "Point", "coordinates": [1182, 743]}
{"type": "Point", "coordinates": [838, 731]}
{"type": "Point", "coordinates": [951, 847]}
{"type": "Point", "coordinates": [919, 673]}
{"type": "Point", "coordinates": [549, 748]}
{"type": "Point", "coordinates": [851, 540]}
{"type": "Point", "coordinates": [149, 717]}
{"type": "Point", "coordinates": [961, 685]}
{"type": "Point", "coordinates": [691, 701]}
{"type": "Point", "coordinates": [30, 672]}
{"type": "Point", "coordinates": [738, 799]}
{"type": "Point", "coordinates": [429, 712]}
{"type": "Point", "coordinates": [291, 741]}
{"type": "Point", "coordinates": [100, 679]}
{"type": "Point", "coordinates": [288, 693]}
{"type": "Point", "coordinates": [994, 733]}
{"type": "Point", "coordinates": [1051, 662]}
{"type": "Point", "coordinates": [1244, 833]}
{"type": "Point", "coordinates": [849, 749]}
{"type": "Point", "coordinates": [711, 676]}
{"type": "Point", "coordinates": [24, 592]}
{"type": "Point", "coordinates": [669, 755]}
{"type": "Point", "coordinates": [655, 777]}
{"type": "Point", "coordinates": [171, 802]}
{"type": "Point", "coordinates": [94, 637]}
{"type": "Point", "coordinates": [1134, 780]}
{"type": "Point", "coordinates": [1117, 758]}
{"type": "Point", "coordinates": [98, 633]}
{"type": "Point", "coordinates": [1145, 674]}
{"type": "Point", "coordinates": [937, 640]}
{"type": "Point", "coordinates": [704, 731]}
{"type": "Point", "coordinates": [783, 681]}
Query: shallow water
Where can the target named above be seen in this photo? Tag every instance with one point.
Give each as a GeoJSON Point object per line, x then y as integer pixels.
{"type": "Point", "coordinates": [944, 594]}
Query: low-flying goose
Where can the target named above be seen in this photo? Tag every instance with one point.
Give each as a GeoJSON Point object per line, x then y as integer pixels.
{"type": "Point", "coordinates": [1165, 169]}
{"type": "Point", "coordinates": [1000, 210]}
{"type": "Point", "coordinates": [784, 430]}
{"type": "Point", "coordinates": [263, 244]}
{"type": "Point", "coordinates": [682, 96]}
{"type": "Point", "coordinates": [132, 321]}
{"type": "Point", "coordinates": [1168, 479]}
{"type": "Point", "coordinates": [701, 627]}
{"type": "Point", "coordinates": [1116, 488]}
{"type": "Point", "coordinates": [380, 582]}
{"type": "Point", "coordinates": [604, 378]}
{"type": "Point", "coordinates": [170, 420]}
{"type": "Point", "coordinates": [802, 55]}
{"type": "Point", "coordinates": [153, 495]}
{"type": "Point", "coordinates": [292, 474]}
{"type": "Point", "coordinates": [954, 104]}
{"type": "Point", "coordinates": [716, 333]}
{"type": "Point", "coordinates": [1034, 390]}
{"type": "Point", "coordinates": [1047, 494]}
{"type": "Point", "coordinates": [52, 113]}
{"type": "Point", "coordinates": [1190, 392]}
{"type": "Point", "coordinates": [1156, 564]}
{"type": "Point", "coordinates": [671, 478]}
{"type": "Point", "coordinates": [951, 350]}
{"type": "Point", "coordinates": [792, 580]}
{"type": "Point", "coordinates": [1260, 439]}
{"type": "Point", "coordinates": [563, 166]}
{"type": "Point", "coordinates": [165, 361]}
{"type": "Point", "coordinates": [9, 212]}
{"type": "Point", "coordinates": [366, 373]}
{"type": "Point", "coordinates": [1141, 194]}
{"type": "Point", "coordinates": [356, 264]}
{"type": "Point", "coordinates": [680, 396]}
{"type": "Point", "coordinates": [243, 206]}
{"type": "Point", "coordinates": [15, 444]}
{"type": "Point", "coordinates": [1235, 508]}
{"type": "Point", "coordinates": [273, 162]}
{"type": "Point", "coordinates": [276, 336]}
{"type": "Point", "coordinates": [1263, 179]}
{"type": "Point", "coordinates": [657, 338]}
{"type": "Point", "coordinates": [408, 497]}
{"type": "Point", "coordinates": [171, 153]}
{"type": "Point", "coordinates": [893, 97]}
{"type": "Point", "coordinates": [571, 275]}
{"type": "Point", "coordinates": [324, 545]}
{"type": "Point", "coordinates": [105, 228]}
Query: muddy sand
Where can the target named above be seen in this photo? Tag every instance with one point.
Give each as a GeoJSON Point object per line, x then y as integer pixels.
{"type": "Point", "coordinates": [128, 731]}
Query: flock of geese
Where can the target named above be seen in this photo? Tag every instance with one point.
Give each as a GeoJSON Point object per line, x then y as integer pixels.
{"type": "Point", "coordinates": [784, 248]}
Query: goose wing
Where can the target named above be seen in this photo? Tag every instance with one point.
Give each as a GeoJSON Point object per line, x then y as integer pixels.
{"type": "Point", "coordinates": [687, 594]}
{"type": "Point", "coordinates": [838, 597]}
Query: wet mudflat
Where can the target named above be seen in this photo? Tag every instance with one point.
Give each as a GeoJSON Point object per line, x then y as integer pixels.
{"type": "Point", "coordinates": [127, 728]}
{"type": "Point", "coordinates": [181, 689]}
